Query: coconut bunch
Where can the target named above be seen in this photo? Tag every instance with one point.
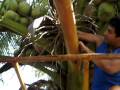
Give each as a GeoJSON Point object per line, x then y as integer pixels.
{"type": "Point", "coordinates": [105, 11]}
{"type": "Point", "coordinates": [102, 11]}
{"type": "Point", "coordinates": [94, 15]}
{"type": "Point", "coordinates": [22, 11]}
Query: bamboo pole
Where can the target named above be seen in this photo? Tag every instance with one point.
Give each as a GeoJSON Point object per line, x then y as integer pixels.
{"type": "Point", "coordinates": [89, 10]}
{"type": "Point", "coordinates": [86, 75]}
{"type": "Point", "coordinates": [16, 66]}
{"type": "Point", "coordinates": [67, 19]}
{"type": "Point", "coordinates": [69, 57]}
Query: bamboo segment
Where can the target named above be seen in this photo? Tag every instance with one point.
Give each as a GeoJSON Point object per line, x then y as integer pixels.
{"type": "Point", "coordinates": [16, 66]}
{"type": "Point", "coordinates": [86, 76]}
{"type": "Point", "coordinates": [66, 15]}
{"type": "Point", "coordinates": [69, 57]}
{"type": "Point", "coordinates": [67, 19]}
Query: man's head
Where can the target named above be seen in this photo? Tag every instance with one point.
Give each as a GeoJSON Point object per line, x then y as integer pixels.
{"type": "Point", "coordinates": [115, 23]}
{"type": "Point", "coordinates": [112, 35]}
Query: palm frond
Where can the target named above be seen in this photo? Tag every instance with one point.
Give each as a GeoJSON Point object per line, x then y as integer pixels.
{"type": "Point", "coordinates": [8, 43]}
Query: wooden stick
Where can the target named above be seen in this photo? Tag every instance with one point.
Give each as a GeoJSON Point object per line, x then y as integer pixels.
{"type": "Point", "coordinates": [69, 57]}
{"type": "Point", "coordinates": [16, 66]}
{"type": "Point", "coordinates": [86, 75]}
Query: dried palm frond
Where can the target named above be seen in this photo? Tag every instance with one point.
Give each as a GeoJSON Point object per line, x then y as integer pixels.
{"type": "Point", "coordinates": [43, 85]}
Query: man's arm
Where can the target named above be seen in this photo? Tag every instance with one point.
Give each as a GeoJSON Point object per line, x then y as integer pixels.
{"type": "Point", "coordinates": [84, 48]}
{"type": "Point", "coordinates": [109, 66]}
{"type": "Point", "coordinates": [97, 39]}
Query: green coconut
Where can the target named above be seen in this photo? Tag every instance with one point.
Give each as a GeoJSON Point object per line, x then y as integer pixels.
{"type": "Point", "coordinates": [106, 11]}
{"type": "Point", "coordinates": [111, 1]}
{"type": "Point", "coordinates": [35, 12]}
{"type": "Point", "coordinates": [97, 2]}
{"type": "Point", "coordinates": [11, 15]}
{"type": "Point", "coordinates": [43, 10]}
{"type": "Point", "coordinates": [24, 8]}
{"type": "Point", "coordinates": [0, 4]}
{"type": "Point", "coordinates": [2, 11]}
{"type": "Point", "coordinates": [18, 1]}
{"type": "Point", "coordinates": [24, 21]}
{"type": "Point", "coordinates": [11, 4]}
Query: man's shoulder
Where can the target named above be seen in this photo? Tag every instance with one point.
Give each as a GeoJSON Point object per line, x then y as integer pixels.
{"type": "Point", "coordinates": [102, 48]}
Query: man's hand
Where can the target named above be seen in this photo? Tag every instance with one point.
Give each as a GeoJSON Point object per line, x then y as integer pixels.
{"type": "Point", "coordinates": [84, 48]}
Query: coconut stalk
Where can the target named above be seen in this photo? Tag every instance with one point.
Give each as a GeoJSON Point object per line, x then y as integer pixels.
{"type": "Point", "coordinates": [66, 16]}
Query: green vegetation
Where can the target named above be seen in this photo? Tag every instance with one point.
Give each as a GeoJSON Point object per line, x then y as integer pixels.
{"type": "Point", "coordinates": [47, 38]}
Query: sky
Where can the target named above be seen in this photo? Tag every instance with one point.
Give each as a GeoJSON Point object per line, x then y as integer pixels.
{"type": "Point", "coordinates": [11, 82]}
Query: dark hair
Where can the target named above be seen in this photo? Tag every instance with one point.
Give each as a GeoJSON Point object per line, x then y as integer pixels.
{"type": "Point", "coordinates": [115, 23]}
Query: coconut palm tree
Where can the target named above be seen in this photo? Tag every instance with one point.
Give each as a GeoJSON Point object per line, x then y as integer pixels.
{"type": "Point", "coordinates": [37, 31]}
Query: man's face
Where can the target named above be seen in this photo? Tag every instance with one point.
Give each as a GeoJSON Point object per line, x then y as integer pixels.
{"type": "Point", "coordinates": [110, 36]}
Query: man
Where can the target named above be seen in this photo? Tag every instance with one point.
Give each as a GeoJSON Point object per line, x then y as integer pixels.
{"type": "Point", "coordinates": [115, 88]}
{"type": "Point", "coordinates": [106, 72]}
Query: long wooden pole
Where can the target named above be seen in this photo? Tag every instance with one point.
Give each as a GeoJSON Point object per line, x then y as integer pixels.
{"type": "Point", "coordinates": [67, 19]}
{"type": "Point", "coordinates": [86, 75]}
{"type": "Point", "coordinates": [16, 66]}
{"type": "Point", "coordinates": [87, 12]}
{"type": "Point", "coordinates": [71, 57]}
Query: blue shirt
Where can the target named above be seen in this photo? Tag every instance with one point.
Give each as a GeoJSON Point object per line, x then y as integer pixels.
{"type": "Point", "coordinates": [103, 80]}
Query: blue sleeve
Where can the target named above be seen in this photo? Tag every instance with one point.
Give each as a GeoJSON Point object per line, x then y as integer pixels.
{"type": "Point", "coordinates": [115, 78]}
{"type": "Point", "coordinates": [117, 51]}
